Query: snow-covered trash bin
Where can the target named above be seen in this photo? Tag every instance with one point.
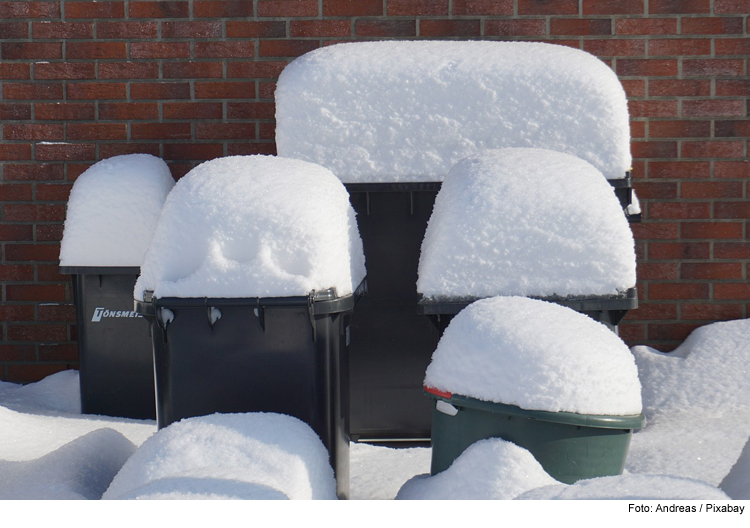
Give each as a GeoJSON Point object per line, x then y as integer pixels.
{"type": "Point", "coordinates": [112, 212]}
{"type": "Point", "coordinates": [252, 456]}
{"type": "Point", "coordinates": [250, 284]}
{"type": "Point", "coordinates": [528, 222]}
{"type": "Point", "coordinates": [541, 376]}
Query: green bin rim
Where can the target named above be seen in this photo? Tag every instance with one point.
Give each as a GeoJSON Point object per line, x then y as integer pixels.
{"type": "Point", "coordinates": [633, 421]}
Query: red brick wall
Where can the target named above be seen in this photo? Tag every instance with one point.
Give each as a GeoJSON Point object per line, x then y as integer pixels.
{"type": "Point", "coordinates": [193, 80]}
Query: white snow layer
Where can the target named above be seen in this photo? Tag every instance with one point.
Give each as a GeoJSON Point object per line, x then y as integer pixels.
{"type": "Point", "coordinates": [491, 469]}
{"type": "Point", "coordinates": [526, 222]}
{"type": "Point", "coordinates": [697, 403]}
{"type": "Point", "coordinates": [535, 355]}
{"type": "Point", "coordinates": [408, 111]}
{"type": "Point", "coordinates": [229, 456]}
{"type": "Point", "coordinates": [254, 226]}
{"type": "Point", "coordinates": [112, 211]}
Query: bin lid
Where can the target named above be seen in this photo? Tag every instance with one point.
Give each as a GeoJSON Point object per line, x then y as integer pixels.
{"type": "Point", "coordinates": [100, 270]}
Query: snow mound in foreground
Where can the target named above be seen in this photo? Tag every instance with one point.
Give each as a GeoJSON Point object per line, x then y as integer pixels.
{"type": "Point", "coordinates": [697, 402]}
{"type": "Point", "coordinates": [526, 222]}
{"type": "Point", "coordinates": [112, 211]}
{"type": "Point", "coordinates": [57, 392]}
{"type": "Point", "coordinates": [254, 226]}
{"type": "Point", "coordinates": [252, 455]}
{"type": "Point", "coordinates": [491, 469]}
{"type": "Point", "coordinates": [445, 101]}
{"type": "Point", "coordinates": [536, 355]}
{"type": "Point", "coordinates": [629, 487]}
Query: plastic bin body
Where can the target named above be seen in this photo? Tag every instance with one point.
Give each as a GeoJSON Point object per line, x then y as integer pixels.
{"type": "Point", "coordinates": [283, 355]}
{"type": "Point", "coordinates": [570, 447]}
{"type": "Point", "coordinates": [114, 344]}
{"type": "Point", "coordinates": [391, 343]}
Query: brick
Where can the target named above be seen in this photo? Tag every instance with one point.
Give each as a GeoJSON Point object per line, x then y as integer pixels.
{"type": "Point", "coordinates": [250, 149]}
{"type": "Point", "coordinates": [65, 70]}
{"type": "Point", "coordinates": [266, 90]}
{"type": "Point", "coordinates": [31, 91]}
{"type": "Point", "coordinates": [58, 352]}
{"type": "Point", "coordinates": [51, 232]}
{"type": "Point", "coordinates": [35, 252]}
{"type": "Point", "coordinates": [548, 7]}
{"type": "Point", "coordinates": [730, 7]}
{"type": "Point", "coordinates": [256, 29]}
{"type": "Point", "coordinates": [10, 70]}
{"type": "Point", "coordinates": [107, 150]}
{"type": "Point", "coordinates": [646, 26]}
{"type": "Point", "coordinates": [732, 210]}
{"type": "Point", "coordinates": [14, 30]}
{"type": "Point", "coordinates": [251, 110]}
{"type": "Point", "coordinates": [647, 67]}
{"type": "Point", "coordinates": [193, 70]}
{"type": "Point", "coordinates": [352, 8]}
{"type": "Point", "coordinates": [160, 50]}
{"type": "Point", "coordinates": [449, 28]}
{"type": "Point", "coordinates": [654, 149]}
{"type": "Point", "coordinates": [732, 250]}
{"type": "Point", "coordinates": [17, 352]}
{"type": "Point", "coordinates": [33, 172]}
{"type": "Point", "coordinates": [417, 7]}
{"type": "Point", "coordinates": [712, 67]}
{"type": "Point", "coordinates": [52, 192]}
{"type": "Point", "coordinates": [732, 169]}
{"type": "Point", "coordinates": [727, 87]}
{"type": "Point", "coordinates": [615, 47]}
{"type": "Point", "coordinates": [96, 131]}
{"type": "Point", "coordinates": [655, 230]}
{"type": "Point", "coordinates": [229, 49]}
{"type": "Point", "coordinates": [15, 152]}
{"type": "Point", "coordinates": [266, 131]}
{"type": "Point", "coordinates": [195, 29]}
{"type": "Point", "coordinates": [95, 50]}
{"type": "Point", "coordinates": [167, 9]}
{"type": "Point", "coordinates": [653, 311]}
{"type": "Point", "coordinates": [732, 128]}
{"type": "Point", "coordinates": [713, 149]}
{"type": "Point", "coordinates": [670, 331]}
{"type": "Point", "coordinates": [482, 7]}
{"type": "Point", "coordinates": [679, 88]}
{"type": "Point", "coordinates": [658, 271]}
{"type": "Point", "coordinates": [31, 50]}
{"type": "Point", "coordinates": [127, 30]}
{"type": "Point", "coordinates": [679, 7]}
{"type": "Point", "coordinates": [711, 230]}
{"type": "Point", "coordinates": [12, 192]}
{"type": "Point", "coordinates": [32, 132]}
{"type": "Point", "coordinates": [15, 112]}
{"type": "Point", "coordinates": [29, 10]}
{"type": "Point", "coordinates": [679, 210]}
{"type": "Point", "coordinates": [38, 332]}
{"type": "Point", "coordinates": [223, 9]}
{"type": "Point", "coordinates": [129, 70]}
{"type": "Point", "coordinates": [65, 152]}
{"type": "Point", "coordinates": [631, 333]}
{"type": "Point", "coordinates": [711, 312]}
{"type": "Point", "coordinates": [15, 233]}
{"type": "Point", "coordinates": [97, 91]}
{"type": "Point", "coordinates": [225, 90]}
{"type": "Point", "coordinates": [654, 108]}
{"type": "Point", "coordinates": [515, 27]}
{"type": "Point", "coordinates": [679, 129]}
{"type": "Point", "coordinates": [192, 151]}
{"type": "Point", "coordinates": [634, 87]}
{"type": "Point", "coordinates": [711, 25]}
{"type": "Point", "coordinates": [225, 131]}
{"type": "Point", "coordinates": [613, 7]}
{"type": "Point", "coordinates": [711, 190]}
{"type": "Point", "coordinates": [733, 46]}
{"type": "Point", "coordinates": [175, 90]}
{"type": "Point", "coordinates": [160, 131]}
{"type": "Point", "coordinates": [731, 291]}
{"type": "Point", "coordinates": [320, 28]}
{"type": "Point", "coordinates": [580, 26]}
{"type": "Point", "coordinates": [680, 47]}
{"type": "Point", "coordinates": [192, 110]}
{"type": "Point", "coordinates": [679, 169]}
{"type": "Point", "coordinates": [285, 48]}
{"type": "Point", "coordinates": [62, 30]}
{"type": "Point", "coordinates": [679, 250]}
{"type": "Point", "coordinates": [667, 291]}
{"type": "Point", "coordinates": [95, 10]}
{"type": "Point", "coordinates": [288, 8]}
{"type": "Point", "coordinates": [35, 292]}
{"type": "Point", "coordinates": [656, 190]}
{"type": "Point", "coordinates": [16, 313]}
{"type": "Point", "coordinates": [65, 111]}
{"type": "Point", "coordinates": [711, 270]}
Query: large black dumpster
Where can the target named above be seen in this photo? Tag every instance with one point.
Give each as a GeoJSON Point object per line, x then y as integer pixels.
{"type": "Point", "coordinates": [286, 355]}
{"type": "Point", "coordinates": [114, 343]}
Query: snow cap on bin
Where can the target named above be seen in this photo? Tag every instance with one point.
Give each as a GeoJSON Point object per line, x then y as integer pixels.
{"type": "Point", "coordinates": [446, 100]}
{"type": "Point", "coordinates": [254, 226]}
{"type": "Point", "coordinates": [112, 211]}
{"type": "Point", "coordinates": [529, 222]}
{"type": "Point", "coordinates": [535, 355]}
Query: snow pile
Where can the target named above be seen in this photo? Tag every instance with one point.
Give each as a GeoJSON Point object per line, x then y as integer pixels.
{"type": "Point", "coordinates": [526, 222]}
{"type": "Point", "coordinates": [408, 111]}
{"type": "Point", "coordinates": [254, 226]}
{"type": "Point", "coordinates": [57, 392]}
{"type": "Point", "coordinates": [491, 469]}
{"type": "Point", "coordinates": [81, 469]}
{"type": "Point", "coordinates": [629, 487]}
{"type": "Point", "coordinates": [377, 472]}
{"type": "Point", "coordinates": [697, 403]}
{"type": "Point", "coordinates": [536, 355]}
{"type": "Point", "coordinates": [231, 456]}
{"type": "Point", "coordinates": [112, 211]}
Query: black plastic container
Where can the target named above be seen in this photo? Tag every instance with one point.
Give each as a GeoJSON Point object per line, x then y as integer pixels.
{"type": "Point", "coordinates": [286, 355]}
{"type": "Point", "coordinates": [114, 344]}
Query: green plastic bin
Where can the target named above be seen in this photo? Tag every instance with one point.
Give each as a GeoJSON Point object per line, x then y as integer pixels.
{"type": "Point", "coordinates": [569, 446]}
